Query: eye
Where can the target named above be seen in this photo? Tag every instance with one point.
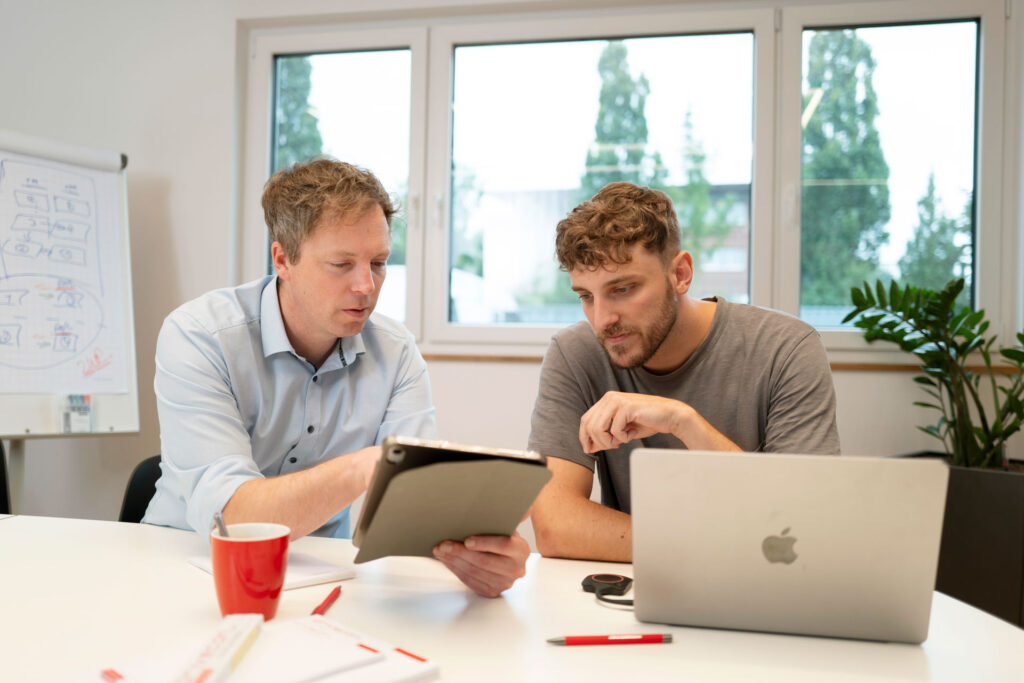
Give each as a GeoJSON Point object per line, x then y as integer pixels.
{"type": "Point", "coordinates": [341, 264]}
{"type": "Point", "coordinates": [379, 264]}
{"type": "Point", "coordinates": [586, 298]}
{"type": "Point", "coordinates": [622, 289]}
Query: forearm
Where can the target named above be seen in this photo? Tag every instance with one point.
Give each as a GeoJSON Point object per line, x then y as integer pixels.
{"type": "Point", "coordinates": [583, 529]}
{"type": "Point", "coordinates": [304, 500]}
{"type": "Point", "coordinates": [698, 434]}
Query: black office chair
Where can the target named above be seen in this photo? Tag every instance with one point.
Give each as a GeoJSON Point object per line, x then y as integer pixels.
{"type": "Point", "coordinates": [5, 495]}
{"type": "Point", "coordinates": [140, 490]}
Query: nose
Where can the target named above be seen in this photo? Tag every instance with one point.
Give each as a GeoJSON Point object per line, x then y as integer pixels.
{"type": "Point", "coordinates": [362, 279]}
{"type": "Point", "coordinates": [604, 314]}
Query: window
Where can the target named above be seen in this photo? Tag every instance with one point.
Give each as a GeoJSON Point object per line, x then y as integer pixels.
{"type": "Point", "coordinates": [887, 182]}
{"type": "Point", "coordinates": [529, 143]}
{"type": "Point", "coordinates": [325, 104]}
{"type": "Point", "coordinates": [807, 148]}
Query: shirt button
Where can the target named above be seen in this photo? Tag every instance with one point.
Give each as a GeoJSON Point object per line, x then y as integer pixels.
{"type": "Point", "coordinates": [315, 378]}
{"type": "Point", "coordinates": [309, 429]}
{"type": "Point", "coordinates": [293, 459]}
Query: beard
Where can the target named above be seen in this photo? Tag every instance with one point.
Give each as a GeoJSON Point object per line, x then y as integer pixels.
{"type": "Point", "coordinates": [650, 339]}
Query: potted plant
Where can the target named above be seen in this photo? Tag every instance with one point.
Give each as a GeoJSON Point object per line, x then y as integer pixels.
{"type": "Point", "coordinates": [979, 406]}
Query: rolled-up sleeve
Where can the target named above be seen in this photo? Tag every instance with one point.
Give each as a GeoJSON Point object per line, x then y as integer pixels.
{"type": "Point", "coordinates": [205, 447]}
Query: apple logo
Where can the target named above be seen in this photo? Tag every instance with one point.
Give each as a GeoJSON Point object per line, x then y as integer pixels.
{"type": "Point", "coordinates": [779, 548]}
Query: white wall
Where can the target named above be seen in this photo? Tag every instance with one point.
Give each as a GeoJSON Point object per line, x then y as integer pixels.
{"type": "Point", "coordinates": [157, 80]}
{"type": "Point", "coordinates": [154, 80]}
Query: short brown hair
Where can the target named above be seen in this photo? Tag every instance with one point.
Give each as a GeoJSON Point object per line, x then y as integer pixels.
{"type": "Point", "coordinates": [295, 199]}
{"type": "Point", "coordinates": [605, 228]}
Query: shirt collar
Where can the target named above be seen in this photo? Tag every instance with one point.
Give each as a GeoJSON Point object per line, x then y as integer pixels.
{"type": "Point", "coordinates": [349, 348]}
{"type": "Point", "coordinates": [275, 338]}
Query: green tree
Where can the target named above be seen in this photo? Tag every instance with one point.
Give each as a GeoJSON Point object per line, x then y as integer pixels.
{"type": "Point", "coordinates": [398, 226]}
{"type": "Point", "coordinates": [845, 199]}
{"type": "Point", "coordinates": [704, 223]}
{"type": "Point", "coordinates": [940, 248]}
{"type": "Point", "coordinates": [467, 248]}
{"type": "Point", "coordinates": [619, 152]}
{"type": "Point", "coordinates": [296, 131]}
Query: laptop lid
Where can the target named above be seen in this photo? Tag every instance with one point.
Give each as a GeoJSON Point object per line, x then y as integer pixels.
{"type": "Point", "coordinates": [818, 545]}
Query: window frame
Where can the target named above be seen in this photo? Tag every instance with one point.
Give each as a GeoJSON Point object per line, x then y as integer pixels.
{"type": "Point", "coordinates": [989, 165]}
{"type": "Point", "coordinates": [264, 46]}
{"type": "Point", "coordinates": [510, 339]}
{"type": "Point", "coordinates": [774, 255]}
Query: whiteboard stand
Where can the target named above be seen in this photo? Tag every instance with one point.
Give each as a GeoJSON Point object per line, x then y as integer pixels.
{"type": "Point", "coordinates": [67, 330]}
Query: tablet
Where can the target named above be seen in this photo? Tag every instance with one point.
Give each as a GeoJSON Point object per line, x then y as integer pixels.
{"type": "Point", "coordinates": [426, 491]}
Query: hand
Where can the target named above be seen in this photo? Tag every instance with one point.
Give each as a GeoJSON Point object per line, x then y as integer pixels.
{"type": "Point", "coordinates": [486, 564]}
{"type": "Point", "coordinates": [619, 418]}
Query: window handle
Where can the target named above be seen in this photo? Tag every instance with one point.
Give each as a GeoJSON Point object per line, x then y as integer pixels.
{"type": "Point", "coordinates": [439, 211]}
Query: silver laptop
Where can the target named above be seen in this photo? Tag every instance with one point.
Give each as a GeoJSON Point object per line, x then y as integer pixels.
{"type": "Point", "coordinates": [818, 545]}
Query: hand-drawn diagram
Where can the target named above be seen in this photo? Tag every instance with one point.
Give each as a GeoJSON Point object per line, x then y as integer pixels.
{"type": "Point", "coordinates": [51, 280]}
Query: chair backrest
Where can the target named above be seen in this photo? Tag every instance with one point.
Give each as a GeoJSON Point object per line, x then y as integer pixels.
{"type": "Point", "coordinates": [140, 489]}
{"type": "Point", "coordinates": [5, 496]}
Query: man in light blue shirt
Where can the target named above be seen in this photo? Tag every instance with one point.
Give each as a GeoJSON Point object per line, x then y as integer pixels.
{"type": "Point", "coordinates": [274, 396]}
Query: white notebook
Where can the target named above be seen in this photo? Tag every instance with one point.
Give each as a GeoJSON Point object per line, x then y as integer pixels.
{"type": "Point", "coordinates": [303, 570]}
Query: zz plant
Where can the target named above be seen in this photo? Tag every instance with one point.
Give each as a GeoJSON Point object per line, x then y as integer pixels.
{"type": "Point", "coordinates": [926, 324]}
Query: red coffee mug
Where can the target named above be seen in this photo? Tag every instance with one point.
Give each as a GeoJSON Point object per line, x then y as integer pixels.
{"type": "Point", "coordinates": [249, 567]}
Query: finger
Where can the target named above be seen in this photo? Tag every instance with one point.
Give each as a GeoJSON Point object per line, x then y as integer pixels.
{"type": "Point", "coordinates": [473, 580]}
{"type": "Point", "coordinates": [585, 441]}
{"type": "Point", "coordinates": [595, 425]}
{"type": "Point", "coordinates": [514, 547]}
{"type": "Point", "coordinates": [481, 572]}
{"type": "Point", "coordinates": [592, 436]}
{"type": "Point", "coordinates": [620, 424]}
{"type": "Point", "coordinates": [478, 585]}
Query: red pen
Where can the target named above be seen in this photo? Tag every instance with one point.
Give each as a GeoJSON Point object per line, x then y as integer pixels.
{"type": "Point", "coordinates": [328, 601]}
{"type": "Point", "coordinates": [627, 639]}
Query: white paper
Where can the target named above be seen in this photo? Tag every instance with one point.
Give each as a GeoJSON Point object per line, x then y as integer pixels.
{"type": "Point", "coordinates": [302, 570]}
{"type": "Point", "coordinates": [62, 322]}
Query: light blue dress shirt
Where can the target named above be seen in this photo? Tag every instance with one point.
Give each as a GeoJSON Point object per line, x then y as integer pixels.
{"type": "Point", "coordinates": [237, 403]}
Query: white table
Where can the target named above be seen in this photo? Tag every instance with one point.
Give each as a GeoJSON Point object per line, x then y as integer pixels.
{"type": "Point", "coordinates": [76, 595]}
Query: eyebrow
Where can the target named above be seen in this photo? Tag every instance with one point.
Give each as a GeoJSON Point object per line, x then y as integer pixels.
{"type": "Point", "coordinates": [611, 283]}
{"type": "Point", "coordinates": [352, 254]}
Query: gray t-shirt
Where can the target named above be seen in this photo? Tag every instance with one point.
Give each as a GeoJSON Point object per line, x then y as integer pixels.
{"type": "Point", "coordinates": [760, 377]}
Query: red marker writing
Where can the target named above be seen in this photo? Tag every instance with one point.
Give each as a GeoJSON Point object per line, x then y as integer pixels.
{"type": "Point", "coordinates": [328, 601]}
{"type": "Point", "coordinates": [626, 639]}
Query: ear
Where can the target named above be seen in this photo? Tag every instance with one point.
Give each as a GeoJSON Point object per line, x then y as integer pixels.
{"type": "Point", "coordinates": [280, 260]}
{"type": "Point", "coordinates": [681, 272]}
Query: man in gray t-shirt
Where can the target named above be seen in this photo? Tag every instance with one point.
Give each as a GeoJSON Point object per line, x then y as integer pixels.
{"type": "Point", "coordinates": [657, 368]}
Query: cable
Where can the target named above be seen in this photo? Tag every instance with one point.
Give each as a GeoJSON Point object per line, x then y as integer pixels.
{"type": "Point", "coordinates": [599, 596]}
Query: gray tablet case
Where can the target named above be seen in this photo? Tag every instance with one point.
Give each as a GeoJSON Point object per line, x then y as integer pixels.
{"type": "Point", "coordinates": [425, 492]}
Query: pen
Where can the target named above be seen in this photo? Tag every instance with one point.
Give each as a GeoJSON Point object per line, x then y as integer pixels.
{"type": "Point", "coordinates": [328, 601]}
{"type": "Point", "coordinates": [626, 639]}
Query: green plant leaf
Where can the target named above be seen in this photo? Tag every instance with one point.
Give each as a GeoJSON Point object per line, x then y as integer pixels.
{"type": "Point", "coordinates": [895, 296]}
{"type": "Point", "coordinates": [880, 291]}
{"type": "Point", "coordinates": [869, 297]}
{"type": "Point", "coordinates": [974, 318]}
{"type": "Point", "coordinates": [857, 297]}
{"type": "Point", "coordinates": [1016, 355]}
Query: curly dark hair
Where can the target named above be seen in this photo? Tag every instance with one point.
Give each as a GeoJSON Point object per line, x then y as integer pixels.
{"type": "Point", "coordinates": [604, 229]}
